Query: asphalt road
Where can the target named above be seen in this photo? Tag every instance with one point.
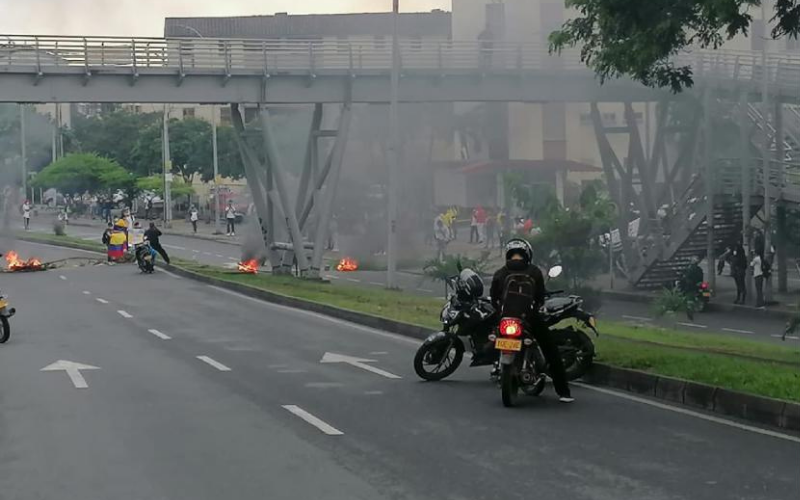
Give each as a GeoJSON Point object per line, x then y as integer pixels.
{"type": "Point", "coordinates": [205, 394]}
{"type": "Point", "coordinates": [755, 326]}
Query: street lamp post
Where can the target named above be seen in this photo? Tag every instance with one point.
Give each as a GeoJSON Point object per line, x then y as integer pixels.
{"type": "Point", "coordinates": [765, 149]}
{"type": "Point", "coordinates": [167, 172]}
{"type": "Point", "coordinates": [24, 151]}
{"type": "Point", "coordinates": [216, 168]}
{"type": "Point", "coordinates": [391, 250]}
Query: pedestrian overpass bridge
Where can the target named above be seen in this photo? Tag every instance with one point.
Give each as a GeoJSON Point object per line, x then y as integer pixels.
{"type": "Point", "coordinates": [39, 69]}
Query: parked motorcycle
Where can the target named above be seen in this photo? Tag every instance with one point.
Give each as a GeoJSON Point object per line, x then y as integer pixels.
{"type": "Point", "coordinates": [468, 315]}
{"type": "Point", "coordinates": [6, 312]}
{"type": "Point", "coordinates": [700, 293]}
{"type": "Point", "coordinates": [523, 366]}
{"type": "Point", "coordinates": [145, 257]}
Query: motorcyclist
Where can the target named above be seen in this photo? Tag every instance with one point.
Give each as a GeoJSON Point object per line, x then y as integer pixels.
{"type": "Point", "coordinates": [692, 277]}
{"type": "Point", "coordinates": [519, 256]}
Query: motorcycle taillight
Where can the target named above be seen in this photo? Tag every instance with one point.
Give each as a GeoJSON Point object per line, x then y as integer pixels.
{"type": "Point", "coordinates": [510, 327]}
{"type": "Point", "coordinates": [704, 286]}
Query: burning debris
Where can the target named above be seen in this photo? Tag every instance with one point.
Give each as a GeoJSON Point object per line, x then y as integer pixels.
{"type": "Point", "coordinates": [347, 265]}
{"type": "Point", "coordinates": [15, 264]}
{"type": "Point", "coordinates": [248, 266]}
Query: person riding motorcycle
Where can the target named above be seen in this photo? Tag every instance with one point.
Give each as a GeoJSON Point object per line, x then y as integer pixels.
{"type": "Point", "coordinates": [519, 256]}
{"type": "Point", "coordinates": [692, 277]}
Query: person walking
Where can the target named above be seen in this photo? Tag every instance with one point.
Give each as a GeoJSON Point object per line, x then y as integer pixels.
{"type": "Point", "coordinates": [481, 218]}
{"type": "Point", "coordinates": [738, 262]}
{"type": "Point", "coordinates": [442, 236]}
{"type": "Point", "coordinates": [230, 218]}
{"type": "Point", "coordinates": [491, 228]}
{"type": "Point", "coordinates": [153, 235]}
{"type": "Point", "coordinates": [473, 227]}
{"type": "Point", "coordinates": [193, 217]}
{"type": "Point", "coordinates": [758, 275]}
{"type": "Point", "coordinates": [26, 214]}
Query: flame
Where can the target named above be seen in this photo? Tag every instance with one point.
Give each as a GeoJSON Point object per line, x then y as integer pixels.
{"type": "Point", "coordinates": [347, 264]}
{"type": "Point", "coordinates": [15, 264]}
{"type": "Point", "coordinates": [249, 266]}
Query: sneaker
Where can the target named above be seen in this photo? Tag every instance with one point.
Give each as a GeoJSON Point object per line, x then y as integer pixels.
{"type": "Point", "coordinates": [566, 399]}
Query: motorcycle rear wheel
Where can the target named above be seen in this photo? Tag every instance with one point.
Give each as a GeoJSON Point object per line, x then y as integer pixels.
{"type": "Point", "coordinates": [5, 334]}
{"type": "Point", "coordinates": [509, 385]}
{"type": "Point", "coordinates": [445, 366]}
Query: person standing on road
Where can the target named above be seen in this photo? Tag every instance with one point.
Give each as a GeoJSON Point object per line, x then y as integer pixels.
{"type": "Point", "coordinates": [442, 236]}
{"type": "Point", "coordinates": [491, 229]}
{"type": "Point", "coordinates": [193, 217]}
{"type": "Point", "coordinates": [153, 235]}
{"type": "Point", "coordinates": [230, 218]}
{"type": "Point", "coordinates": [758, 274]}
{"type": "Point", "coordinates": [26, 214]}
{"type": "Point", "coordinates": [738, 261]}
{"type": "Point", "coordinates": [474, 236]}
{"type": "Point", "coordinates": [480, 215]}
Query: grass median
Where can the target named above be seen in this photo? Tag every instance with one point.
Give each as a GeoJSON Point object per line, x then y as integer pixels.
{"type": "Point", "coordinates": [771, 370]}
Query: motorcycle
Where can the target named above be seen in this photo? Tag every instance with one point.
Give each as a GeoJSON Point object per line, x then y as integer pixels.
{"type": "Point", "coordinates": [145, 257]}
{"type": "Point", "coordinates": [523, 366]}
{"type": "Point", "coordinates": [468, 315]}
{"type": "Point", "coordinates": [6, 312]}
{"type": "Point", "coordinates": [700, 293]}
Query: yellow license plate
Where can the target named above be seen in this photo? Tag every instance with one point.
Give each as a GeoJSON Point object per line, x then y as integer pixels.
{"type": "Point", "coordinates": [508, 345]}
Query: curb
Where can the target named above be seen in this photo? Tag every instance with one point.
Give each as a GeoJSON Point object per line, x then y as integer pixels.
{"type": "Point", "coordinates": [167, 233]}
{"type": "Point", "coordinates": [757, 409]}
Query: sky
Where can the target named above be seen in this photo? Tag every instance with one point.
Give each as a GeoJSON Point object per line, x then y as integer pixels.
{"type": "Point", "coordinates": [146, 17]}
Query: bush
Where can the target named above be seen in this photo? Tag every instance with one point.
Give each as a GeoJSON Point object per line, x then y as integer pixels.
{"type": "Point", "coordinates": [672, 300]}
{"type": "Point", "coordinates": [59, 229]}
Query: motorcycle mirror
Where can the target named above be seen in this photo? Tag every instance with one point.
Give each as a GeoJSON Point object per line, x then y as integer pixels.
{"type": "Point", "coordinates": [555, 271]}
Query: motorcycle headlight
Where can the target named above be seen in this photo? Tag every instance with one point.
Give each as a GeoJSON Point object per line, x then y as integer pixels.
{"type": "Point", "coordinates": [448, 315]}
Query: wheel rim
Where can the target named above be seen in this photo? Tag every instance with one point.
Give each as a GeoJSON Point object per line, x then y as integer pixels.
{"type": "Point", "coordinates": [444, 364]}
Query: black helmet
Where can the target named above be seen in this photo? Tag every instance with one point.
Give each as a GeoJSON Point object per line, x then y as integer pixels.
{"type": "Point", "coordinates": [469, 285]}
{"type": "Point", "coordinates": [518, 245]}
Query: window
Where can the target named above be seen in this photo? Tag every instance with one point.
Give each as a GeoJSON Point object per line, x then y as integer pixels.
{"type": "Point", "coordinates": [188, 113]}
{"type": "Point", "coordinates": [609, 118]}
{"type": "Point", "coordinates": [137, 109]}
{"type": "Point", "coordinates": [586, 118]}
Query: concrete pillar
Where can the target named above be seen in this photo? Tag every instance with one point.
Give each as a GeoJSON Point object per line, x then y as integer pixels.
{"type": "Point", "coordinates": [710, 189]}
{"type": "Point", "coordinates": [780, 223]}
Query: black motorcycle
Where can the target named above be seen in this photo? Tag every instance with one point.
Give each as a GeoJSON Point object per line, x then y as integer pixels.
{"type": "Point", "coordinates": [523, 366]}
{"type": "Point", "coordinates": [468, 315]}
{"type": "Point", "coordinates": [145, 257]}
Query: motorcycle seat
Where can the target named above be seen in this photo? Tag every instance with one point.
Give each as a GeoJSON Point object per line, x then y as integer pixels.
{"type": "Point", "coordinates": [556, 304]}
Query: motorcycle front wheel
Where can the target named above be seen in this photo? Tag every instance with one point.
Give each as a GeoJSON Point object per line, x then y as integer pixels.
{"type": "Point", "coordinates": [509, 385]}
{"type": "Point", "coordinates": [438, 360]}
{"type": "Point", "coordinates": [5, 334]}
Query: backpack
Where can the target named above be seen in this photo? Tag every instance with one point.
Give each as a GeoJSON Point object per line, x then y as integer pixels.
{"type": "Point", "coordinates": [766, 268]}
{"type": "Point", "coordinates": [519, 292]}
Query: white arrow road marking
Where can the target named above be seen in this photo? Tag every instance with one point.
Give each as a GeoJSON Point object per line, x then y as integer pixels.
{"type": "Point", "coordinates": [124, 314]}
{"type": "Point", "coordinates": [73, 371]}
{"type": "Point", "coordinates": [311, 419]}
{"type": "Point", "coordinates": [216, 364]}
{"type": "Point", "coordinates": [330, 357]}
{"type": "Point", "coordinates": [160, 335]}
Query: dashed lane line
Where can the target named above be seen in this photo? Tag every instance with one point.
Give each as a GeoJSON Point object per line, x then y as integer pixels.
{"type": "Point", "coordinates": [734, 330]}
{"type": "Point", "coordinates": [354, 280]}
{"type": "Point", "coordinates": [692, 325]}
{"type": "Point", "coordinates": [87, 292]}
{"type": "Point", "coordinates": [636, 318]}
{"type": "Point", "coordinates": [160, 335]}
{"type": "Point", "coordinates": [102, 301]}
{"type": "Point", "coordinates": [311, 419]}
{"type": "Point", "coordinates": [375, 283]}
{"type": "Point", "coordinates": [62, 277]}
{"type": "Point", "coordinates": [124, 314]}
{"type": "Point", "coordinates": [790, 337]}
{"type": "Point", "coordinates": [216, 364]}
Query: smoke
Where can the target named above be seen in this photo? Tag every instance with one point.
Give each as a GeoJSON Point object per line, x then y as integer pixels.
{"type": "Point", "coordinates": [146, 17]}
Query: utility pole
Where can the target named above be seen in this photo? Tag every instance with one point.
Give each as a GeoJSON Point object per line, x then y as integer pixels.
{"type": "Point", "coordinates": [216, 168]}
{"type": "Point", "coordinates": [393, 156]}
{"type": "Point", "coordinates": [167, 171]}
{"type": "Point", "coordinates": [24, 150]}
{"type": "Point", "coordinates": [765, 149]}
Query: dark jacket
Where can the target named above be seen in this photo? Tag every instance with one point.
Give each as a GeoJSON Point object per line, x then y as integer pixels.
{"type": "Point", "coordinates": [152, 236]}
{"type": "Point", "coordinates": [499, 280]}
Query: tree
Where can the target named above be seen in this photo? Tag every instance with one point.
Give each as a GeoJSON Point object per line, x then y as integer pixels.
{"type": "Point", "coordinates": [38, 131]}
{"type": "Point", "coordinates": [155, 184]}
{"type": "Point", "coordinates": [82, 173]}
{"type": "Point", "coordinates": [535, 200]}
{"type": "Point", "coordinates": [117, 135]}
{"type": "Point", "coordinates": [637, 38]}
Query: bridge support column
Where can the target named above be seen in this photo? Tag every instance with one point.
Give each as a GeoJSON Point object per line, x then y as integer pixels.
{"type": "Point", "coordinates": [747, 182]}
{"type": "Point", "coordinates": [780, 213]}
{"type": "Point", "coordinates": [710, 189]}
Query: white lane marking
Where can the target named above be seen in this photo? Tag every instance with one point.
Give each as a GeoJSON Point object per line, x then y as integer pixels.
{"type": "Point", "coordinates": [375, 283]}
{"type": "Point", "coordinates": [216, 364]}
{"type": "Point", "coordinates": [62, 277]}
{"type": "Point", "coordinates": [637, 318]}
{"type": "Point", "coordinates": [175, 247]}
{"type": "Point", "coordinates": [333, 277]}
{"type": "Point", "coordinates": [102, 301]}
{"type": "Point", "coordinates": [169, 273]}
{"type": "Point", "coordinates": [691, 413]}
{"type": "Point", "coordinates": [220, 256]}
{"type": "Point", "coordinates": [124, 314]}
{"type": "Point", "coordinates": [692, 325]}
{"type": "Point", "coordinates": [73, 371]}
{"type": "Point", "coordinates": [311, 419]}
{"type": "Point", "coordinates": [354, 280]}
{"type": "Point", "coordinates": [426, 290]}
{"type": "Point", "coordinates": [292, 371]}
{"type": "Point", "coordinates": [196, 251]}
{"type": "Point", "coordinates": [323, 385]}
{"type": "Point", "coordinates": [734, 330]}
{"type": "Point", "coordinates": [233, 259]}
{"type": "Point", "coordinates": [378, 353]}
{"type": "Point", "coordinates": [330, 357]}
{"type": "Point", "coordinates": [277, 366]}
{"type": "Point", "coordinates": [790, 337]}
{"type": "Point", "coordinates": [302, 312]}
{"type": "Point", "coordinates": [373, 393]}
{"type": "Point", "coordinates": [208, 253]}
{"type": "Point", "coordinates": [87, 292]}
{"type": "Point", "coordinates": [159, 334]}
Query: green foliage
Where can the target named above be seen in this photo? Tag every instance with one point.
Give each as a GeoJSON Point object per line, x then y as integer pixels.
{"type": "Point", "coordinates": [38, 137]}
{"type": "Point", "coordinates": [535, 200]}
{"type": "Point", "coordinates": [82, 173]}
{"type": "Point", "coordinates": [118, 135]}
{"type": "Point", "coordinates": [637, 38]}
{"type": "Point", "coordinates": [440, 270]}
{"type": "Point", "coordinates": [155, 183]}
{"type": "Point", "coordinates": [672, 300]}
